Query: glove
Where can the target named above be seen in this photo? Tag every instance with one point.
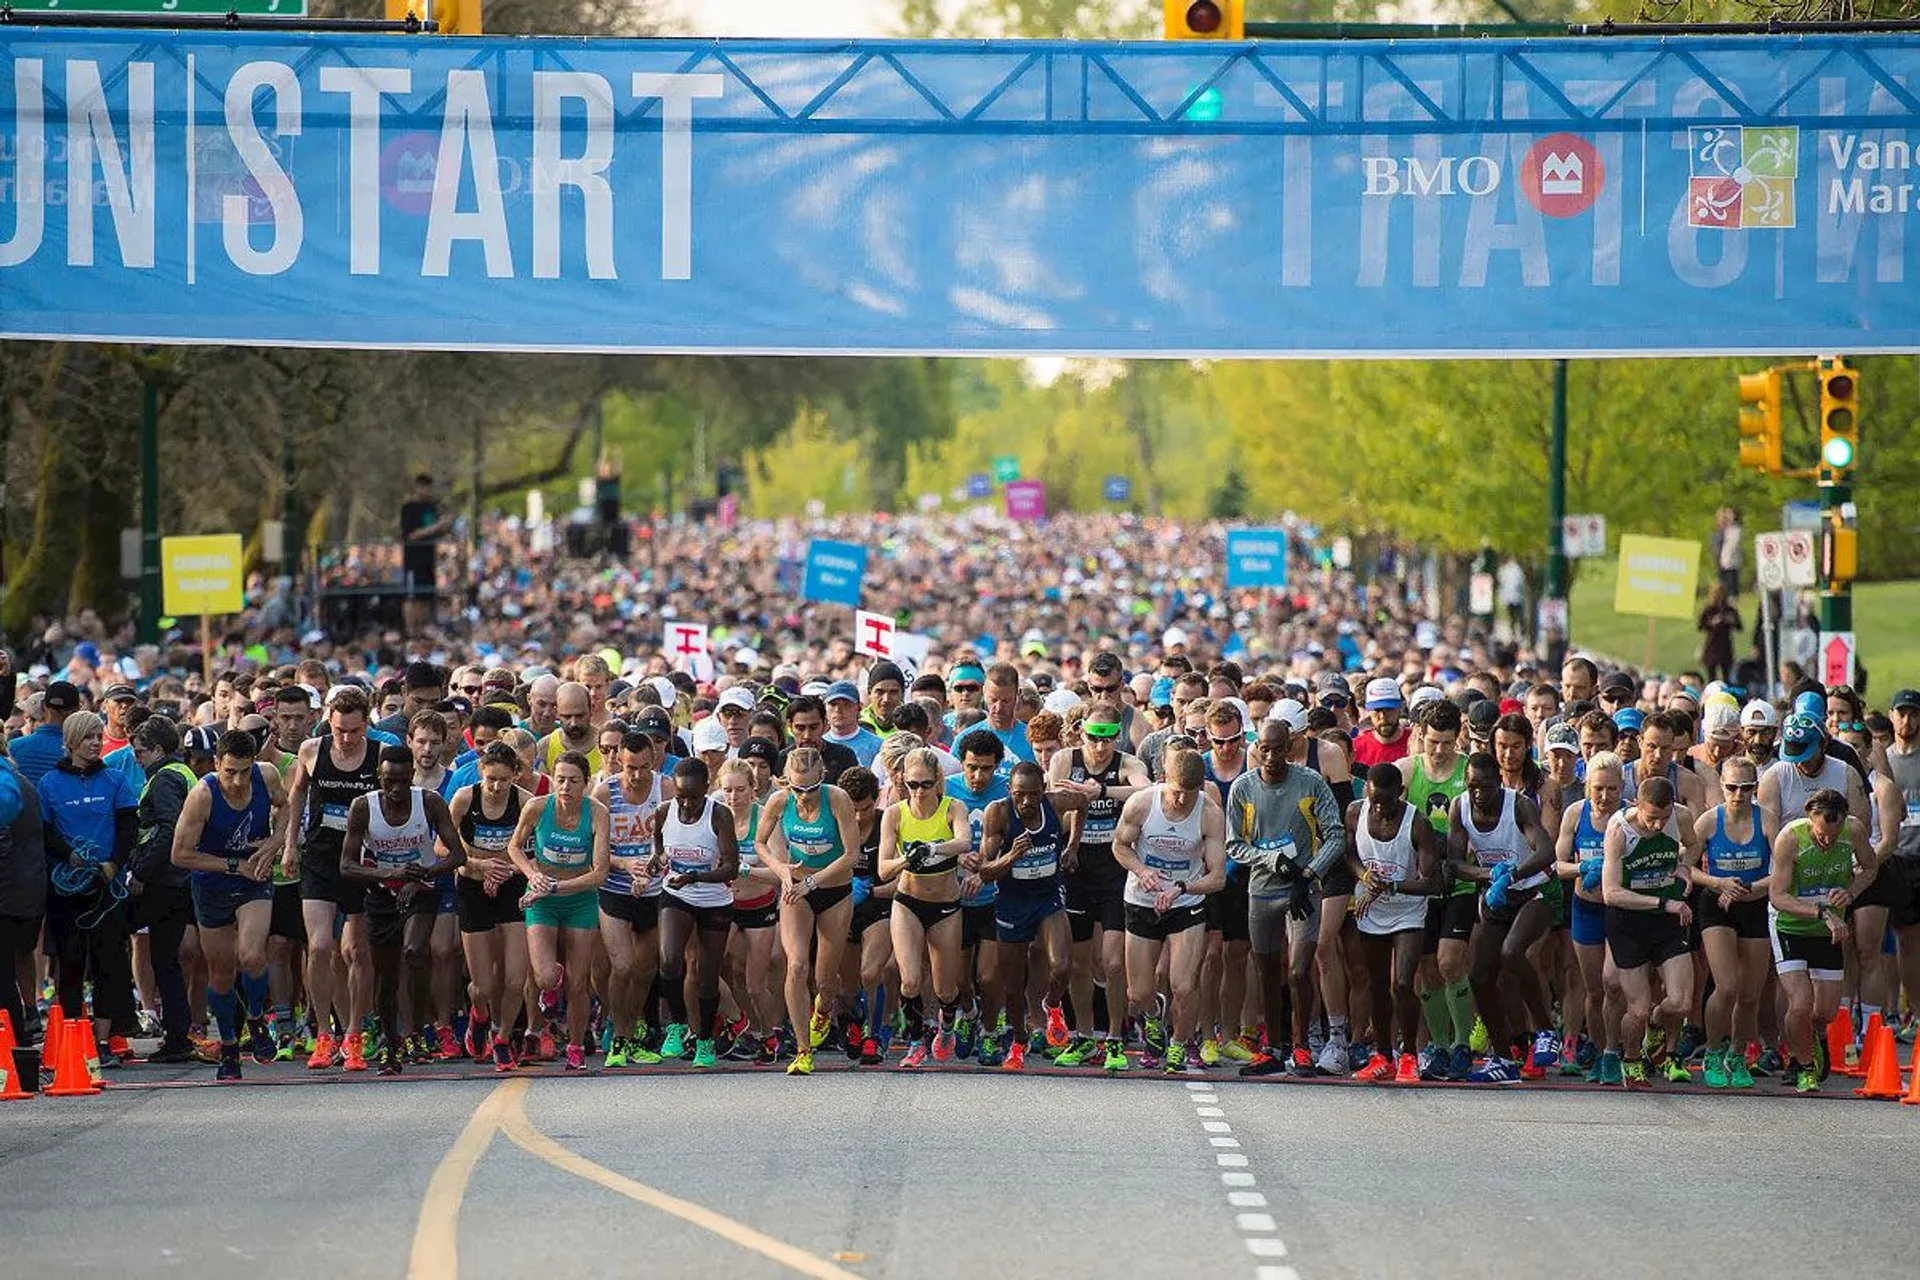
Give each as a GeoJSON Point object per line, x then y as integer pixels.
{"type": "Point", "coordinates": [1590, 873]}
{"type": "Point", "coordinates": [1299, 904]}
{"type": "Point", "coordinates": [1497, 891]}
{"type": "Point", "coordinates": [918, 854]}
{"type": "Point", "coordinates": [862, 889]}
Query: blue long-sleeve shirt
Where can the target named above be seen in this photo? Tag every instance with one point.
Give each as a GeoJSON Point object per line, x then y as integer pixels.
{"type": "Point", "coordinates": [89, 811]}
{"type": "Point", "coordinates": [34, 754]}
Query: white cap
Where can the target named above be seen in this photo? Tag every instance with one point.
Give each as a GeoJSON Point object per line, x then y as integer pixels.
{"type": "Point", "coordinates": [1061, 701]}
{"type": "Point", "coordinates": [738, 696]}
{"type": "Point", "coordinates": [1246, 713]}
{"type": "Point", "coordinates": [1289, 712]}
{"type": "Point", "coordinates": [665, 688]}
{"type": "Point", "coordinates": [1759, 714]}
{"type": "Point", "coordinates": [1719, 718]}
{"type": "Point", "coordinates": [1422, 696]}
{"type": "Point", "coordinates": [748, 658]}
{"type": "Point", "coordinates": [1172, 636]}
{"type": "Point", "coordinates": [709, 736]}
{"type": "Point", "coordinates": [313, 695]}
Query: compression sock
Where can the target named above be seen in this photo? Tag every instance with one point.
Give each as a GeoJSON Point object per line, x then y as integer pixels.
{"type": "Point", "coordinates": [709, 1016]}
{"type": "Point", "coordinates": [1336, 1029]}
{"type": "Point", "coordinates": [1433, 1003]}
{"type": "Point", "coordinates": [225, 1008]}
{"type": "Point", "coordinates": [949, 1014]}
{"type": "Point", "coordinates": [879, 1007]}
{"type": "Point", "coordinates": [1460, 1004]}
{"type": "Point", "coordinates": [916, 1012]}
{"type": "Point", "coordinates": [253, 986]}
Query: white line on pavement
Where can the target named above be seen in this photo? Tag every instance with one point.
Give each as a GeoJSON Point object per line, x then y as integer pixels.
{"type": "Point", "coordinates": [1260, 1233]}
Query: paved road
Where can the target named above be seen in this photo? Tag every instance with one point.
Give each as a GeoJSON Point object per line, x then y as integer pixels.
{"type": "Point", "coordinates": [959, 1175]}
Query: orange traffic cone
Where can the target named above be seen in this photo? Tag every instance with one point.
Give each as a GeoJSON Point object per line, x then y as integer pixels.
{"type": "Point", "coordinates": [1913, 1090]}
{"type": "Point", "coordinates": [1883, 1065]}
{"type": "Point", "coordinates": [50, 1043]}
{"type": "Point", "coordinates": [10, 1090]}
{"type": "Point", "coordinates": [70, 1078]}
{"type": "Point", "coordinates": [89, 1049]}
{"type": "Point", "coordinates": [1839, 1041]}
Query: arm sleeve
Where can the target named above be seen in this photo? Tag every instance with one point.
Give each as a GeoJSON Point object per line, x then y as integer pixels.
{"type": "Point", "coordinates": [1239, 843]}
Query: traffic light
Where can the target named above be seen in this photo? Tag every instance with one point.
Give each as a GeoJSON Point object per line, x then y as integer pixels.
{"type": "Point", "coordinates": [1760, 427]}
{"type": "Point", "coordinates": [456, 17]}
{"type": "Point", "coordinates": [1840, 551]}
{"type": "Point", "coordinates": [1839, 419]}
{"type": "Point", "coordinates": [1205, 19]}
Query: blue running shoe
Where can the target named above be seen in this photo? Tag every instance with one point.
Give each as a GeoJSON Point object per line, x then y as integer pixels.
{"type": "Point", "coordinates": [1460, 1066]}
{"type": "Point", "coordinates": [1496, 1070]}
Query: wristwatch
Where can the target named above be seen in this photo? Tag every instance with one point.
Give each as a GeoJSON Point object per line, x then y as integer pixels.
{"type": "Point", "coordinates": [807, 883]}
{"type": "Point", "coordinates": [233, 866]}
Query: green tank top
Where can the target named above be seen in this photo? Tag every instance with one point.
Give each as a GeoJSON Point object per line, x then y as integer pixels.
{"type": "Point", "coordinates": [1434, 797]}
{"type": "Point", "coordinates": [1650, 864]}
{"type": "Point", "coordinates": [557, 846]}
{"type": "Point", "coordinates": [283, 761]}
{"type": "Point", "coordinates": [1816, 873]}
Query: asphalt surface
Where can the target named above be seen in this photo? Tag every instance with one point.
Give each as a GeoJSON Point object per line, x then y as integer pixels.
{"type": "Point", "coordinates": [947, 1174]}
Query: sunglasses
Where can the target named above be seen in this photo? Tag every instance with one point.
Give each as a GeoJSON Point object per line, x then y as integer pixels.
{"type": "Point", "coordinates": [965, 688]}
{"type": "Point", "coordinates": [1335, 701]}
{"type": "Point", "coordinates": [1101, 731]}
{"type": "Point", "coordinates": [921, 784]}
{"type": "Point", "coordinates": [806, 789]}
{"type": "Point", "coordinates": [1103, 688]}
{"type": "Point", "coordinates": [469, 690]}
{"type": "Point", "coordinates": [1741, 788]}
{"type": "Point", "coordinates": [1227, 741]}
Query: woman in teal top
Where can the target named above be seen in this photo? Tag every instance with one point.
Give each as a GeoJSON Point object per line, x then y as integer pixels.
{"type": "Point", "coordinates": [801, 837]}
{"type": "Point", "coordinates": [1730, 911]}
{"type": "Point", "coordinates": [561, 846]}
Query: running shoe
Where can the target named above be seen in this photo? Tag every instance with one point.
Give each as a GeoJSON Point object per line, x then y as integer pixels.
{"type": "Point", "coordinates": [1057, 1031]}
{"type": "Point", "coordinates": [855, 1036]}
{"type": "Point", "coordinates": [1434, 1064]}
{"type": "Point", "coordinates": [1546, 1050]}
{"type": "Point", "coordinates": [284, 1046]}
{"type": "Point", "coordinates": [1527, 1070]}
{"type": "Point", "coordinates": [1634, 1075]}
{"type": "Point", "coordinates": [916, 1055]}
{"type": "Point", "coordinates": [1677, 1070]}
{"type": "Point", "coordinates": [616, 1054]}
{"type": "Point", "coordinates": [550, 998]}
{"type": "Point", "coordinates": [703, 1053]}
{"type": "Point", "coordinates": [260, 1041]}
{"type": "Point", "coordinates": [1333, 1058]}
{"type": "Point", "coordinates": [802, 1064]}
{"type": "Point", "coordinates": [1479, 1038]}
{"type": "Point", "coordinates": [1376, 1071]}
{"type": "Point", "coordinates": [1176, 1059]}
{"type": "Point", "coordinates": [1460, 1065]}
{"type": "Point", "coordinates": [450, 1048]}
{"type": "Point", "coordinates": [1408, 1071]}
{"type": "Point", "coordinates": [1116, 1056]}
{"type": "Point", "coordinates": [119, 1049]}
{"type": "Point", "coordinates": [502, 1056]}
{"type": "Point", "coordinates": [476, 1038]}
{"type": "Point", "coordinates": [545, 1043]}
{"type": "Point", "coordinates": [322, 1056]}
{"type": "Point", "coordinates": [1714, 1071]}
{"type": "Point", "coordinates": [818, 1029]}
{"type": "Point", "coordinates": [1076, 1053]}
{"type": "Point", "coordinates": [675, 1045]}
{"type": "Point", "coordinates": [1495, 1070]}
{"type": "Point", "coordinates": [1808, 1081]}
{"type": "Point", "coordinates": [870, 1052]}
{"type": "Point", "coordinates": [390, 1057]}
{"type": "Point", "coordinates": [1016, 1057]}
{"type": "Point", "coordinates": [1653, 1047]}
{"type": "Point", "coordinates": [1149, 1060]}
{"type": "Point", "coordinates": [1738, 1076]}
{"type": "Point", "coordinates": [769, 1053]}
{"type": "Point", "coordinates": [638, 1055]}
{"type": "Point", "coordinates": [989, 1053]}
{"type": "Point", "coordinates": [966, 1036]}
{"type": "Point", "coordinates": [353, 1050]}
{"type": "Point", "coordinates": [1212, 1052]}
{"type": "Point", "coordinates": [229, 1068]}
{"type": "Point", "coordinates": [1766, 1063]}
{"type": "Point", "coordinates": [576, 1056]}
{"type": "Point", "coordinates": [1300, 1065]}
{"type": "Point", "coordinates": [1242, 1048]}
{"type": "Point", "coordinates": [1904, 1033]}
{"type": "Point", "coordinates": [943, 1045]}
{"type": "Point", "coordinates": [745, 1048]}
{"type": "Point", "coordinates": [1154, 1038]}
{"type": "Point", "coordinates": [422, 1047]}
{"type": "Point", "coordinates": [1612, 1070]}
{"type": "Point", "coordinates": [1264, 1065]}
{"type": "Point", "coordinates": [1692, 1040]}
{"type": "Point", "coordinates": [1586, 1055]}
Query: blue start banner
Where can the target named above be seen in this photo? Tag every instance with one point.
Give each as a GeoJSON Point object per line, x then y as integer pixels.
{"type": "Point", "coordinates": [835, 572]}
{"type": "Point", "coordinates": [1483, 197]}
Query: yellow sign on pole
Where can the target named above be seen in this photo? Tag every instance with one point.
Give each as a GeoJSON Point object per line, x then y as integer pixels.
{"type": "Point", "coordinates": [1657, 576]}
{"type": "Point", "coordinates": [203, 575]}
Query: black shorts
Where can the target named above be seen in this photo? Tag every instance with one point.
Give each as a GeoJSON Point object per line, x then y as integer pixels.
{"type": "Point", "coordinates": [1746, 919]}
{"type": "Point", "coordinates": [875, 910]}
{"type": "Point", "coordinates": [1227, 909]}
{"type": "Point", "coordinates": [1455, 915]}
{"type": "Point", "coordinates": [321, 881]}
{"type": "Point", "coordinates": [643, 913]}
{"type": "Point", "coordinates": [1096, 900]}
{"type": "Point", "coordinates": [1339, 882]}
{"type": "Point", "coordinates": [977, 926]}
{"type": "Point", "coordinates": [766, 915]}
{"type": "Point", "coordinates": [480, 911]}
{"type": "Point", "coordinates": [1506, 915]}
{"type": "Point", "coordinates": [1906, 907]}
{"type": "Point", "coordinates": [714, 919]}
{"type": "Point", "coordinates": [288, 919]}
{"type": "Point", "coordinates": [1817, 956]}
{"type": "Point", "coordinates": [387, 916]}
{"type": "Point", "coordinates": [1145, 922]}
{"type": "Point", "coordinates": [825, 900]}
{"type": "Point", "coordinates": [1636, 939]}
{"type": "Point", "coordinates": [1887, 890]}
{"type": "Point", "coordinates": [928, 914]}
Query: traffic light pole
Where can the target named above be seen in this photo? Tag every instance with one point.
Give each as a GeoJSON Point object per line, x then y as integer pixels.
{"type": "Point", "coordinates": [147, 628]}
{"type": "Point", "coordinates": [1836, 598]}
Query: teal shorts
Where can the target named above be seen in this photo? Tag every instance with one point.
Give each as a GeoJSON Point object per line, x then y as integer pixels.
{"type": "Point", "coordinates": [565, 911]}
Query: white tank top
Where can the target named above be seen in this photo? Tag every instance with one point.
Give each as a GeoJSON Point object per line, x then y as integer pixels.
{"type": "Point", "coordinates": [1390, 860]}
{"type": "Point", "coordinates": [1796, 788]}
{"type": "Point", "coordinates": [395, 848]}
{"type": "Point", "coordinates": [693, 847]}
{"type": "Point", "coordinates": [630, 832]}
{"type": "Point", "coordinates": [1502, 844]}
{"type": "Point", "coordinates": [1170, 848]}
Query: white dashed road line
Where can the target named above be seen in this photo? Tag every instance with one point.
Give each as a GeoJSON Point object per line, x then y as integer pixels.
{"type": "Point", "coordinates": [1257, 1228]}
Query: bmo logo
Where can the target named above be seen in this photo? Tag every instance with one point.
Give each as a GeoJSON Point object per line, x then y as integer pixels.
{"type": "Point", "coordinates": [1561, 175]}
{"type": "Point", "coordinates": [1440, 176]}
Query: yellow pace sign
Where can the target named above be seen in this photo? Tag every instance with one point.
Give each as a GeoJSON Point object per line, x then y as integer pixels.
{"type": "Point", "coordinates": [202, 575]}
{"type": "Point", "coordinates": [1657, 576]}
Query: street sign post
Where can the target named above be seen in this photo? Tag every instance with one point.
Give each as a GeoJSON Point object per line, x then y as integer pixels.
{"type": "Point", "coordinates": [1836, 655]}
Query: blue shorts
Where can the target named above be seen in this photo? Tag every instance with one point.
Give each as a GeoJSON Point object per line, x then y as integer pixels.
{"type": "Point", "coordinates": [1589, 921]}
{"type": "Point", "coordinates": [218, 897]}
{"type": "Point", "coordinates": [1017, 916]}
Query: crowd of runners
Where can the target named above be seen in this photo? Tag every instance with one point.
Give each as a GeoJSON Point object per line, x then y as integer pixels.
{"type": "Point", "coordinates": [1120, 819]}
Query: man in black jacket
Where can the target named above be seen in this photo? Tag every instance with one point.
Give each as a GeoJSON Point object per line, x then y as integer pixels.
{"type": "Point", "coordinates": [162, 902]}
{"type": "Point", "coordinates": [23, 900]}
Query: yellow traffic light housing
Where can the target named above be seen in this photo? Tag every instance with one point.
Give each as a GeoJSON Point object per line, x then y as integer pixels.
{"type": "Point", "coordinates": [1839, 419]}
{"type": "Point", "coordinates": [456, 17]}
{"type": "Point", "coordinates": [1760, 423]}
{"type": "Point", "coordinates": [1205, 19]}
{"type": "Point", "coordinates": [1840, 552]}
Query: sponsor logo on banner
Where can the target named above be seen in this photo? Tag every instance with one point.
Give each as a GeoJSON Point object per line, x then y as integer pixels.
{"type": "Point", "coordinates": [1742, 175]}
{"type": "Point", "coordinates": [406, 172]}
{"type": "Point", "coordinates": [1561, 175]}
{"type": "Point", "coordinates": [1429, 176]}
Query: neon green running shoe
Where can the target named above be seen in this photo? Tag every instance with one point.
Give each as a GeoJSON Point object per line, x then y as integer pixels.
{"type": "Point", "coordinates": [616, 1052]}
{"type": "Point", "coordinates": [675, 1045]}
{"type": "Point", "coordinates": [1676, 1070]}
{"type": "Point", "coordinates": [1075, 1054]}
{"type": "Point", "coordinates": [1479, 1039]}
{"type": "Point", "coordinates": [1116, 1056]}
{"type": "Point", "coordinates": [703, 1053]}
{"type": "Point", "coordinates": [1808, 1081]}
{"type": "Point", "coordinates": [1176, 1058]}
{"type": "Point", "coordinates": [638, 1055]}
{"type": "Point", "coordinates": [1739, 1076]}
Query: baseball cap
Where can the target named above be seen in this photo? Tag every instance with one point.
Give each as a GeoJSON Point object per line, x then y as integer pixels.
{"type": "Point", "coordinates": [1720, 719]}
{"type": "Point", "coordinates": [1481, 718]}
{"type": "Point", "coordinates": [842, 691]}
{"type": "Point", "coordinates": [669, 692]}
{"type": "Point", "coordinates": [709, 736]}
{"type": "Point", "coordinates": [655, 721]}
{"type": "Point", "coordinates": [1629, 719]}
{"type": "Point", "coordinates": [1812, 705]}
{"type": "Point", "coordinates": [760, 749]}
{"type": "Point", "coordinates": [1801, 739]}
{"type": "Point", "coordinates": [747, 658]}
{"type": "Point", "coordinates": [1906, 698]}
{"type": "Point", "coordinates": [1161, 695]}
{"type": "Point", "coordinates": [1561, 737]}
{"type": "Point", "coordinates": [1619, 680]}
{"type": "Point", "coordinates": [1422, 696]}
{"type": "Point", "coordinates": [62, 696]}
{"type": "Point", "coordinates": [1289, 712]}
{"type": "Point", "coordinates": [202, 742]}
{"type": "Point", "coordinates": [1061, 701]}
{"type": "Point", "coordinates": [1173, 638]}
{"type": "Point", "coordinates": [1760, 714]}
{"type": "Point", "coordinates": [1033, 645]}
{"type": "Point", "coordinates": [116, 692]}
{"type": "Point", "coordinates": [738, 696]}
{"type": "Point", "coordinates": [815, 688]}
{"type": "Point", "coordinates": [1383, 693]}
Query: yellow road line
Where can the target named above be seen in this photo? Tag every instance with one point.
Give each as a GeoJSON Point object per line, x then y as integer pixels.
{"type": "Point", "coordinates": [514, 1123]}
{"type": "Point", "coordinates": [436, 1254]}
